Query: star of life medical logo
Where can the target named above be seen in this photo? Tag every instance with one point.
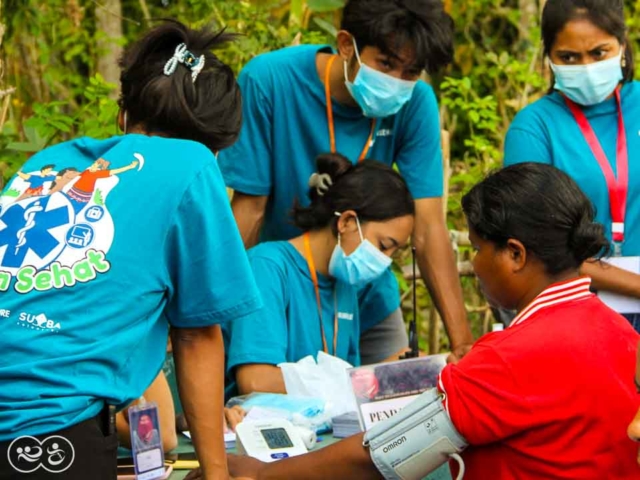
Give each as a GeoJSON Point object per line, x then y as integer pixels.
{"type": "Point", "coordinates": [55, 454]}
{"type": "Point", "coordinates": [38, 322]}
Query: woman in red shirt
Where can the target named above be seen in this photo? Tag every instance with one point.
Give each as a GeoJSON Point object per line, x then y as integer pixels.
{"type": "Point", "coordinates": [549, 397]}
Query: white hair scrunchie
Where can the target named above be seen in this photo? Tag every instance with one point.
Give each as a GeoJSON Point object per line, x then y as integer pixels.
{"type": "Point", "coordinates": [321, 182]}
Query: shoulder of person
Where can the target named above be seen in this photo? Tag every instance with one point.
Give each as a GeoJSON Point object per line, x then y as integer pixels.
{"type": "Point", "coordinates": [286, 59]}
{"type": "Point", "coordinates": [276, 59]}
{"type": "Point", "coordinates": [180, 154]}
{"type": "Point", "coordinates": [277, 252]}
{"type": "Point", "coordinates": [423, 101]}
{"type": "Point", "coordinates": [543, 111]}
{"type": "Point", "coordinates": [631, 91]}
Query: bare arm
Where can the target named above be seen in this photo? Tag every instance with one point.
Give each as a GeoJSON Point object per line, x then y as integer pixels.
{"type": "Point", "coordinates": [24, 176]}
{"type": "Point", "coordinates": [438, 269]}
{"type": "Point", "coordinates": [345, 460]}
{"type": "Point", "coordinates": [248, 211]}
{"type": "Point", "coordinates": [612, 279]}
{"type": "Point", "coordinates": [259, 377]}
{"type": "Point", "coordinates": [199, 359]}
{"type": "Point", "coordinates": [160, 393]}
{"type": "Point", "coordinates": [116, 171]}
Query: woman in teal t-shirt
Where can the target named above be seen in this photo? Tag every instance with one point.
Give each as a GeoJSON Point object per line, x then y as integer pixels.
{"type": "Point", "coordinates": [104, 245]}
{"type": "Point", "coordinates": [588, 126]}
{"type": "Point", "coordinates": [358, 217]}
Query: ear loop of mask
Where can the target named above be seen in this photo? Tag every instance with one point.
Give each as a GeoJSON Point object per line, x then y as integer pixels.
{"type": "Point", "coordinates": [344, 64]}
{"type": "Point", "coordinates": [338, 214]}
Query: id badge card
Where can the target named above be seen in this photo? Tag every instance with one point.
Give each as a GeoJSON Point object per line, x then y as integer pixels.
{"type": "Point", "coordinates": [620, 303]}
{"type": "Point", "coordinates": [146, 441]}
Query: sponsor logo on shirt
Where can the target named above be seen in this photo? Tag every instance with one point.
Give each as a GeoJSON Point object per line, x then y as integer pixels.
{"type": "Point", "coordinates": [38, 322]}
{"type": "Point", "coordinates": [345, 316]}
{"type": "Point", "coordinates": [55, 454]}
{"type": "Point", "coordinates": [55, 225]}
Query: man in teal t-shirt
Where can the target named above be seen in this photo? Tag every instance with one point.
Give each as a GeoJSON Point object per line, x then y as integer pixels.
{"type": "Point", "coordinates": [366, 102]}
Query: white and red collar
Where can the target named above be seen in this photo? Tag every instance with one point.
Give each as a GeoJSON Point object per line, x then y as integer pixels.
{"type": "Point", "coordinates": [556, 294]}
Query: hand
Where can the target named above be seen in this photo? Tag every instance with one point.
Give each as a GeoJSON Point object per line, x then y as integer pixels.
{"type": "Point", "coordinates": [458, 352]}
{"type": "Point", "coordinates": [197, 475]}
{"type": "Point", "coordinates": [232, 417]}
{"type": "Point", "coordinates": [244, 467]}
{"type": "Point", "coordinates": [134, 164]}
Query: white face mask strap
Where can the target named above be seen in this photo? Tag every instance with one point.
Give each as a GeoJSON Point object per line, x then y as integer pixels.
{"type": "Point", "coordinates": [338, 214]}
{"type": "Point", "coordinates": [355, 46]}
{"type": "Point", "coordinates": [359, 229]}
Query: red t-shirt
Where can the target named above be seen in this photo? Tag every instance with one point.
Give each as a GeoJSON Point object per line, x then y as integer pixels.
{"type": "Point", "coordinates": [552, 395]}
{"type": "Point", "coordinates": [87, 179]}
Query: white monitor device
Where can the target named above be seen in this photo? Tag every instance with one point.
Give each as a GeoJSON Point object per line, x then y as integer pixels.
{"type": "Point", "coordinates": [269, 440]}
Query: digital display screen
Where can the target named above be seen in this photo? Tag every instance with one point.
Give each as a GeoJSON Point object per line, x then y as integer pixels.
{"type": "Point", "coordinates": [276, 438]}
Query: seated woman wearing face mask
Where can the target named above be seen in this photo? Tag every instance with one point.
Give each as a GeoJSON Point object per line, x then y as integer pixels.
{"type": "Point", "coordinates": [550, 397]}
{"type": "Point", "coordinates": [588, 125]}
{"type": "Point", "coordinates": [358, 217]}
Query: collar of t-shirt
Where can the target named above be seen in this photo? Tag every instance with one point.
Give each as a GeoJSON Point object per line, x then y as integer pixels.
{"type": "Point", "coordinates": [558, 293]}
{"type": "Point", "coordinates": [297, 259]}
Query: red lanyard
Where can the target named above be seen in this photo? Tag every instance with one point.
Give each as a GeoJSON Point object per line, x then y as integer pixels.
{"type": "Point", "coordinates": [617, 187]}
{"type": "Point", "coordinates": [332, 133]}
{"type": "Point", "coordinates": [314, 278]}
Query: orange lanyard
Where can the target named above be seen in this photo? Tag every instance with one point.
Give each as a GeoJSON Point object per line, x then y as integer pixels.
{"type": "Point", "coordinates": [332, 132]}
{"type": "Point", "coordinates": [314, 278]}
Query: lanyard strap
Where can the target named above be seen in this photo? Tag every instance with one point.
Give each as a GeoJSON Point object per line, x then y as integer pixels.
{"type": "Point", "coordinates": [332, 132]}
{"type": "Point", "coordinates": [619, 187]}
{"type": "Point", "coordinates": [316, 287]}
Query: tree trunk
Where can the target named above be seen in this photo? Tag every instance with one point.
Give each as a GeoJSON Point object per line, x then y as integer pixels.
{"type": "Point", "coordinates": [529, 17]}
{"type": "Point", "coordinates": [109, 35]}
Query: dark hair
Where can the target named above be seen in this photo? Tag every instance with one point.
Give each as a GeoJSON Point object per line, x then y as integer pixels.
{"type": "Point", "coordinates": [61, 174]}
{"type": "Point", "coordinates": [208, 110]}
{"type": "Point", "coordinates": [607, 15]}
{"type": "Point", "coordinates": [390, 25]}
{"type": "Point", "coordinates": [373, 190]}
{"type": "Point", "coordinates": [543, 208]}
{"type": "Point", "coordinates": [65, 170]}
{"type": "Point", "coordinates": [51, 165]}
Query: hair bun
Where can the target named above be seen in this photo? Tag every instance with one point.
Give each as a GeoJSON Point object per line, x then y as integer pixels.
{"type": "Point", "coordinates": [588, 240]}
{"type": "Point", "coordinates": [333, 164]}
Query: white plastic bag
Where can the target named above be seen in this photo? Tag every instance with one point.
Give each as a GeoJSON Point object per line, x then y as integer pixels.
{"type": "Point", "coordinates": [327, 379]}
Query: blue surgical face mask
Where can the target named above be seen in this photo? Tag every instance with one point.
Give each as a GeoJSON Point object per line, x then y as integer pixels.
{"type": "Point", "coordinates": [365, 264]}
{"type": "Point", "coordinates": [588, 84]}
{"type": "Point", "coordinates": [378, 94]}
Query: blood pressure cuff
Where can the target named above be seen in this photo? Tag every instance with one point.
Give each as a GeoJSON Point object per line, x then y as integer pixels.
{"type": "Point", "coordinates": [416, 440]}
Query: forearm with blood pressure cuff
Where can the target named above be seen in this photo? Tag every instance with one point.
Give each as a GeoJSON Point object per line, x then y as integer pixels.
{"type": "Point", "coordinates": [416, 440]}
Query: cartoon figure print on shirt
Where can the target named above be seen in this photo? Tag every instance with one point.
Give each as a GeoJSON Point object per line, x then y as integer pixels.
{"type": "Point", "coordinates": [55, 227]}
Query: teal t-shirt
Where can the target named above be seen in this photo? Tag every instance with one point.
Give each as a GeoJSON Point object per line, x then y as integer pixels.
{"type": "Point", "coordinates": [287, 328]}
{"type": "Point", "coordinates": [135, 234]}
{"type": "Point", "coordinates": [285, 129]}
{"type": "Point", "coordinates": [547, 132]}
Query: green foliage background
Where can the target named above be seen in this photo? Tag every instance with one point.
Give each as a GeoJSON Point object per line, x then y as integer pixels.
{"type": "Point", "coordinates": [50, 52]}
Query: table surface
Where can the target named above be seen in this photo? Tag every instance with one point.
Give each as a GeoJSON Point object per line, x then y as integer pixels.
{"type": "Point", "coordinates": [185, 446]}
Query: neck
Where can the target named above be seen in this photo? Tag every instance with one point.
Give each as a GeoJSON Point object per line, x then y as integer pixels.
{"type": "Point", "coordinates": [322, 244]}
{"type": "Point", "coordinates": [540, 284]}
{"type": "Point", "coordinates": [337, 85]}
